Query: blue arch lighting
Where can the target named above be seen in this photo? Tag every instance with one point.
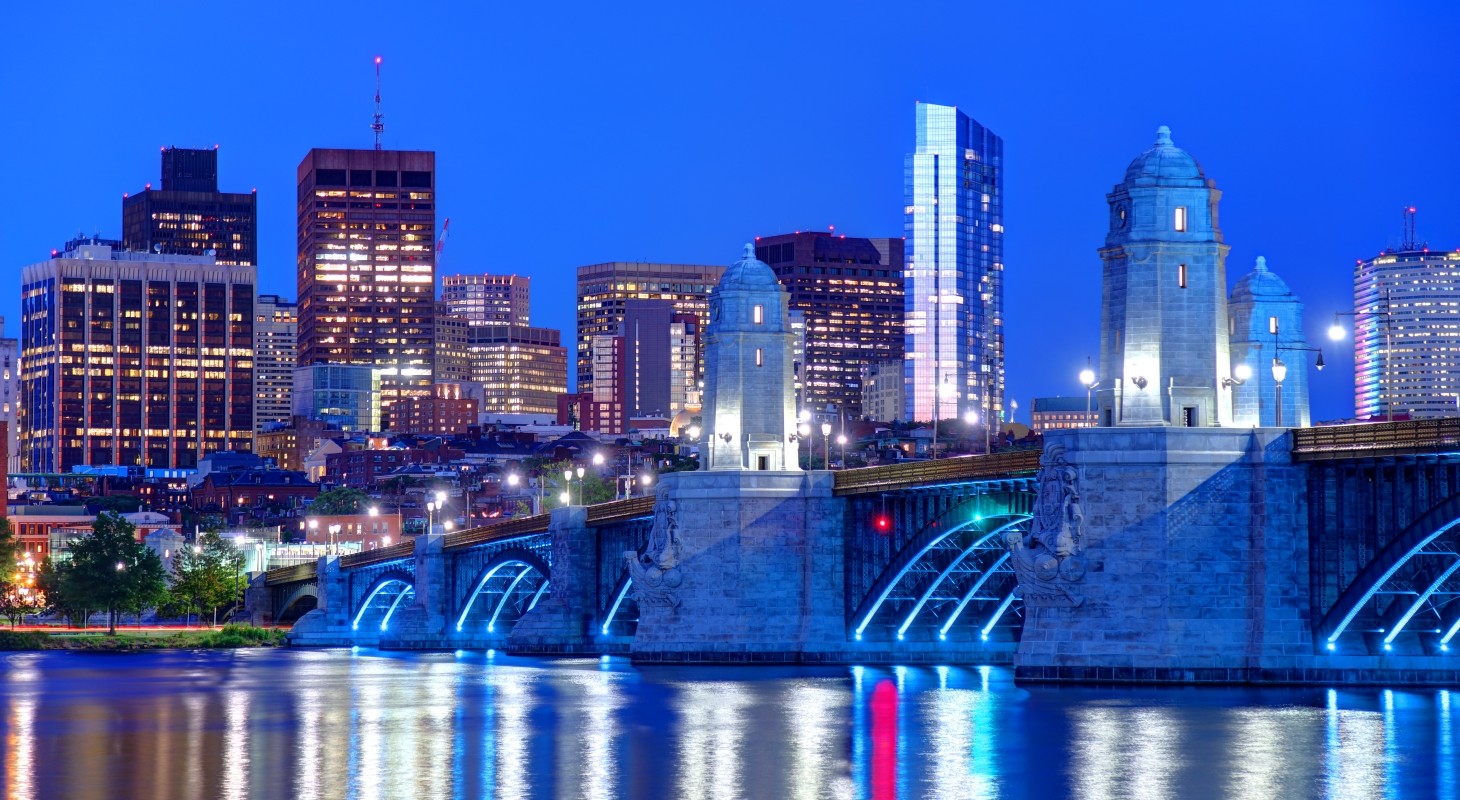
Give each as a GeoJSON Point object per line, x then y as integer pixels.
{"type": "Point", "coordinates": [506, 595]}
{"type": "Point", "coordinates": [365, 605]}
{"type": "Point", "coordinates": [971, 593]}
{"type": "Point", "coordinates": [1412, 544]}
{"type": "Point", "coordinates": [1420, 601]}
{"type": "Point", "coordinates": [968, 551]}
{"type": "Point", "coordinates": [481, 584]}
{"type": "Point", "coordinates": [617, 601]}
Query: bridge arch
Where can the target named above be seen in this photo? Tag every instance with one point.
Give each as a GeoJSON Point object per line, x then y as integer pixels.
{"type": "Point", "coordinates": [296, 603]}
{"type": "Point", "coordinates": [954, 568]}
{"type": "Point", "coordinates": [621, 616]}
{"type": "Point", "coordinates": [508, 586]}
{"type": "Point", "coordinates": [1411, 585]}
{"type": "Point", "coordinates": [384, 596]}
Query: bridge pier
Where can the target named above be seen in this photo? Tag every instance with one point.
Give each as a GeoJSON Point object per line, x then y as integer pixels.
{"type": "Point", "coordinates": [563, 622]}
{"type": "Point", "coordinates": [422, 625]}
{"type": "Point", "coordinates": [760, 571]}
{"type": "Point", "coordinates": [328, 625]}
{"type": "Point", "coordinates": [1196, 545]}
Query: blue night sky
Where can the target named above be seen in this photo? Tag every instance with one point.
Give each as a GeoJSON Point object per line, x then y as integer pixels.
{"type": "Point", "coordinates": [573, 134]}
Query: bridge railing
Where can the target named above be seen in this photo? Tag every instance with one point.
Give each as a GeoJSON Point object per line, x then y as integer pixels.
{"type": "Point", "coordinates": [1008, 464]}
{"type": "Point", "coordinates": [379, 555]}
{"type": "Point", "coordinates": [537, 523]}
{"type": "Point", "coordinates": [1376, 439]}
{"type": "Point", "coordinates": [620, 510]}
{"type": "Point", "coordinates": [290, 574]}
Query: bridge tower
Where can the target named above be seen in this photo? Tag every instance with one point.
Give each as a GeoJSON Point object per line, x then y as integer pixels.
{"type": "Point", "coordinates": [750, 405]}
{"type": "Point", "coordinates": [1163, 330]}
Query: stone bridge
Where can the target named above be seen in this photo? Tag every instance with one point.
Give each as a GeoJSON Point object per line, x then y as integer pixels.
{"type": "Point", "coordinates": [1208, 554]}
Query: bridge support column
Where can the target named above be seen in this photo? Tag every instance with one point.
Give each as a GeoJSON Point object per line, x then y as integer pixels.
{"type": "Point", "coordinates": [1197, 551]}
{"type": "Point", "coordinates": [328, 625]}
{"type": "Point", "coordinates": [258, 602]}
{"type": "Point", "coordinates": [422, 625]}
{"type": "Point", "coordinates": [562, 623]}
{"type": "Point", "coordinates": [760, 571]}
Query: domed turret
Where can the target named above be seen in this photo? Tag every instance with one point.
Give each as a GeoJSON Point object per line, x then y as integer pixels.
{"type": "Point", "coordinates": [749, 273]}
{"type": "Point", "coordinates": [1260, 282]}
{"type": "Point", "coordinates": [1164, 164]}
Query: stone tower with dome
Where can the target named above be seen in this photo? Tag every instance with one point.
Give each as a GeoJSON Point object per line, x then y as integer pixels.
{"type": "Point", "coordinates": [1267, 323]}
{"type": "Point", "coordinates": [1163, 332]}
{"type": "Point", "coordinates": [749, 401]}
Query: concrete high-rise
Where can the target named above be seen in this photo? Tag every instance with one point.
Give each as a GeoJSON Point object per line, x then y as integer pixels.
{"type": "Point", "coordinates": [1406, 329]}
{"type": "Point", "coordinates": [453, 346]}
{"type": "Point", "coordinates": [850, 293]}
{"type": "Point", "coordinates": [488, 299]}
{"type": "Point", "coordinates": [275, 354]}
{"type": "Point", "coordinates": [134, 359]}
{"type": "Point", "coordinates": [188, 215]}
{"type": "Point", "coordinates": [1164, 328]}
{"type": "Point", "coordinates": [603, 289]}
{"type": "Point", "coordinates": [521, 369]}
{"type": "Point", "coordinates": [367, 275]}
{"type": "Point", "coordinates": [954, 275]}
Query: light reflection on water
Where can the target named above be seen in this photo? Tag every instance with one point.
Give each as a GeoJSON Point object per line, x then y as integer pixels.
{"type": "Point", "coordinates": [318, 725]}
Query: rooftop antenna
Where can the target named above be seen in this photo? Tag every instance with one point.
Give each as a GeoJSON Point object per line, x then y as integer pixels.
{"type": "Point", "coordinates": [1410, 241]}
{"type": "Point", "coordinates": [379, 124]}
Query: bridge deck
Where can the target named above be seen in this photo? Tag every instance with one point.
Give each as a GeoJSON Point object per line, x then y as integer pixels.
{"type": "Point", "coordinates": [1377, 439]}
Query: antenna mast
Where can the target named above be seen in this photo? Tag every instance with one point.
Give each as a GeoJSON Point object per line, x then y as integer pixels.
{"type": "Point", "coordinates": [1410, 242]}
{"type": "Point", "coordinates": [379, 124]}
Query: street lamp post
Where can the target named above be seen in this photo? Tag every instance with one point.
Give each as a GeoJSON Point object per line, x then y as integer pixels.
{"type": "Point", "coordinates": [1279, 372]}
{"type": "Point", "coordinates": [581, 499]}
{"type": "Point", "coordinates": [1087, 377]}
{"type": "Point", "coordinates": [568, 486]}
{"type": "Point", "coordinates": [1336, 333]}
{"type": "Point", "coordinates": [841, 439]}
{"type": "Point", "coordinates": [826, 445]}
{"type": "Point", "coordinates": [1240, 374]}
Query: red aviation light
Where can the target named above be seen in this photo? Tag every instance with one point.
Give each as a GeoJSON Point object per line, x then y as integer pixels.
{"type": "Point", "coordinates": [882, 523]}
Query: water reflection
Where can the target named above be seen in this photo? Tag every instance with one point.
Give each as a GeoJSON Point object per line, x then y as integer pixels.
{"type": "Point", "coordinates": [322, 725]}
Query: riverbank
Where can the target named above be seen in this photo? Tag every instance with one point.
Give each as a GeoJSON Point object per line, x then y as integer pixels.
{"type": "Point", "coordinates": [226, 638]}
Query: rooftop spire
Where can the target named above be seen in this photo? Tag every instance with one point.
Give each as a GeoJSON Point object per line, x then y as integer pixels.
{"type": "Point", "coordinates": [749, 250]}
{"type": "Point", "coordinates": [1163, 135]}
{"type": "Point", "coordinates": [1261, 264]}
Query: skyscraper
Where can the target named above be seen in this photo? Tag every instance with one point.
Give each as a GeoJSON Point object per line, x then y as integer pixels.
{"type": "Point", "coordinates": [1407, 332]}
{"type": "Point", "coordinates": [276, 352]}
{"type": "Point", "coordinates": [346, 396]}
{"type": "Point", "coordinates": [954, 277]}
{"type": "Point", "coordinates": [134, 359]}
{"type": "Point", "coordinates": [1164, 350]}
{"type": "Point", "coordinates": [604, 288]}
{"type": "Point", "coordinates": [10, 399]}
{"type": "Point", "coordinates": [453, 346]}
{"type": "Point", "coordinates": [367, 279]}
{"type": "Point", "coordinates": [188, 215]}
{"type": "Point", "coordinates": [850, 292]}
{"type": "Point", "coordinates": [488, 299]}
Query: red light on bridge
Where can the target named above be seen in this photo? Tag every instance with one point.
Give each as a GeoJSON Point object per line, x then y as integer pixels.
{"type": "Point", "coordinates": [882, 523]}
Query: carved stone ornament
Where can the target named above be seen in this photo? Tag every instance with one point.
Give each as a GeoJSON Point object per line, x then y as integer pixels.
{"type": "Point", "coordinates": [1049, 558]}
{"type": "Point", "coordinates": [655, 572]}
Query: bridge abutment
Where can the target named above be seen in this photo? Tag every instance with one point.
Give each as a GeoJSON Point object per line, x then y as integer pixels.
{"type": "Point", "coordinates": [422, 625]}
{"type": "Point", "coordinates": [760, 571]}
{"type": "Point", "coordinates": [1197, 553]}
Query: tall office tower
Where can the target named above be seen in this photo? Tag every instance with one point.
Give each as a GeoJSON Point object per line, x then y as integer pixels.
{"type": "Point", "coordinates": [954, 276]}
{"type": "Point", "coordinates": [275, 354]}
{"type": "Point", "coordinates": [10, 399]}
{"type": "Point", "coordinates": [1164, 351]}
{"type": "Point", "coordinates": [522, 370]}
{"type": "Point", "coordinates": [648, 368]}
{"type": "Point", "coordinates": [453, 346]}
{"type": "Point", "coordinates": [604, 288]}
{"type": "Point", "coordinates": [684, 359]}
{"type": "Point", "coordinates": [134, 359]}
{"type": "Point", "coordinates": [346, 396]}
{"type": "Point", "coordinates": [1267, 323]}
{"type": "Point", "coordinates": [610, 393]}
{"type": "Point", "coordinates": [487, 299]}
{"type": "Point", "coordinates": [367, 281]}
{"type": "Point", "coordinates": [850, 291]}
{"type": "Point", "coordinates": [188, 215]}
{"type": "Point", "coordinates": [1407, 331]}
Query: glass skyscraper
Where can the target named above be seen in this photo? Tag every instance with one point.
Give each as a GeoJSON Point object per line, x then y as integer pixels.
{"type": "Point", "coordinates": [954, 274]}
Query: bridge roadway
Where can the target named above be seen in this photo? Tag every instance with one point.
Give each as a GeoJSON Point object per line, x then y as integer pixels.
{"type": "Point", "coordinates": [924, 574]}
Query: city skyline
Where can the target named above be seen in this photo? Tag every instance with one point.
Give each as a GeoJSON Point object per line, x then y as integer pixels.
{"type": "Point", "coordinates": [1276, 129]}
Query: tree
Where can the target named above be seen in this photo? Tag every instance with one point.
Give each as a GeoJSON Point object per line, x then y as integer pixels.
{"type": "Point", "coordinates": [116, 503]}
{"type": "Point", "coordinates": [19, 594]}
{"type": "Point", "coordinates": [110, 569]}
{"type": "Point", "coordinates": [588, 490]}
{"type": "Point", "coordinates": [335, 502]}
{"type": "Point", "coordinates": [204, 576]}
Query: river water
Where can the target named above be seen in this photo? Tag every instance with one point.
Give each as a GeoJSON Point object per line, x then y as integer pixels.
{"type": "Point", "coordinates": [363, 724]}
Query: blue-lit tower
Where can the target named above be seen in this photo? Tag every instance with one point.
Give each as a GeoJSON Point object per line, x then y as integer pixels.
{"type": "Point", "coordinates": [1164, 353]}
{"type": "Point", "coordinates": [954, 300]}
{"type": "Point", "coordinates": [1267, 323]}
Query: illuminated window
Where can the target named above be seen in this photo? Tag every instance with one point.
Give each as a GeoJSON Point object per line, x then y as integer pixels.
{"type": "Point", "coordinates": [1181, 218]}
{"type": "Point", "coordinates": [1181, 275]}
{"type": "Point", "coordinates": [759, 357]}
{"type": "Point", "coordinates": [758, 314]}
{"type": "Point", "coordinates": [1272, 325]}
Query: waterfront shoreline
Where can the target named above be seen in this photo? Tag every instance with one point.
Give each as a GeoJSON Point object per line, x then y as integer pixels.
{"type": "Point", "coordinates": [229, 637]}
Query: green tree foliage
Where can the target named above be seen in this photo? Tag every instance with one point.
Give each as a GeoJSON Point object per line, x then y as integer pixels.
{"type": "Point", "coordinates": [19, 594]}
{"type": "Point", "coordinates": [335, 502]}
{"type": "Point", "coordinates": [110, 569]}
{"type": "Point", "coordinates": [588, 490]}
{"type": "Point", "coordinates": [204, 576]}
{"type": "Point", "coordinates": [115, 503]}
